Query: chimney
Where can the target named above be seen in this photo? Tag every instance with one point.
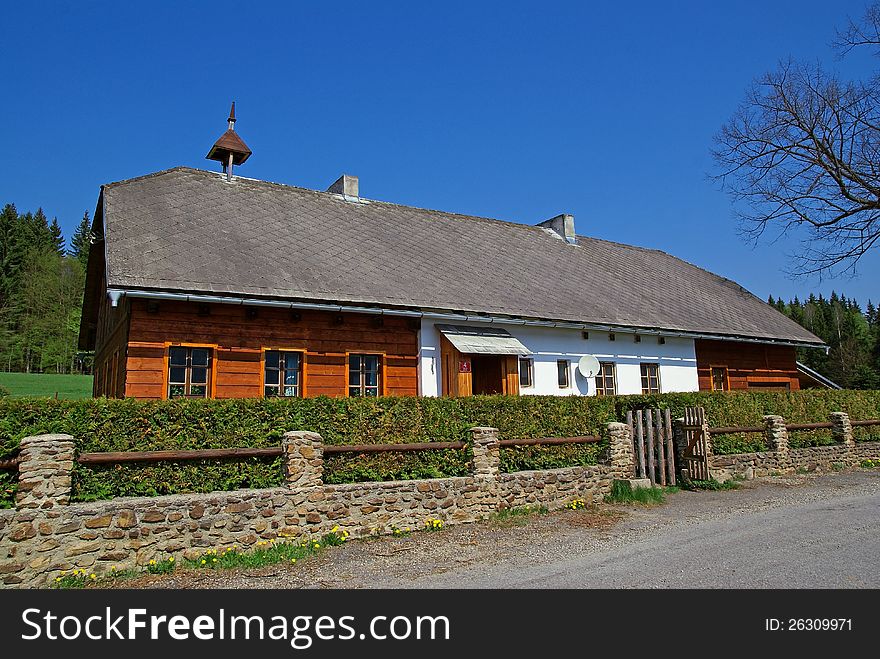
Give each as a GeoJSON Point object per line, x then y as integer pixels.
{"type": "Point", "coordinates": [562, 226]}
{"type": "Point", "coordinates": [345, 185]}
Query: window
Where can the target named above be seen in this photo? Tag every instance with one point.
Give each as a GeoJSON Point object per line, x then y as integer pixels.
{"type": "Point", "coordinates": [363, 375]}
{"type": "Point", "coordinates": [562, 367]}
{"type": "Point", "coordinates": [650, 378]}
{"type": "Point", "coordinates": [719, 378]}
{"type": "Point", "coordinates": [606, 379]}
{"type": "Point", "coordinates": [526, 369]}
{"type": "Point", "coordinates": [189, 372]}
{"type": "Point", "coordinates": [282, 373]}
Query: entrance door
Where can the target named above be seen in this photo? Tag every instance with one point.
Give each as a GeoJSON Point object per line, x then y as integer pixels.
{"type": "Point", "coordinates": [487, 374]}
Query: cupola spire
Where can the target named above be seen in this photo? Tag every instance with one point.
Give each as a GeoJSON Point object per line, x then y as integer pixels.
{"type": "Point", "coordinates": [229, 149]}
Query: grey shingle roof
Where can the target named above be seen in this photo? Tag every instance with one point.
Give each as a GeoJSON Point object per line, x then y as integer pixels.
{"type": "Point", "coordinates": [191, 230]}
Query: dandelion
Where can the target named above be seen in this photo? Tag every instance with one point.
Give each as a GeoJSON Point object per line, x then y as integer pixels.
{"type": "Point", "coordinates": [293, 560]}
{"type": "Point", "coordinates": [171, 559]}
{"type": "Point", "coordinates": [57, 579]}
{"type": "Point", "coordinates": [203, 561]}
{"type": "Point", "coordinates": [317, 545]}
{"type": "Point", "coordinates": [92, 576]}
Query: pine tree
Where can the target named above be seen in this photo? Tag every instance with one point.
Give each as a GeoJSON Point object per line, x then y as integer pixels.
{"type": "Point", "coordinates": [82, 241]}
{"type": "Point", "coordinates": [57, 236]}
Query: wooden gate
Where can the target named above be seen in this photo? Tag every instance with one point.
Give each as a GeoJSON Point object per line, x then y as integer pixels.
{"type": "Point", "coordinates": [653, 446]}
{"type": "Point", "coordinates": [695, 453]}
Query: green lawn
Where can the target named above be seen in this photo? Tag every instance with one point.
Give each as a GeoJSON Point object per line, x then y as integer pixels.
{"type": "Point", "coordinates": [47, 385]}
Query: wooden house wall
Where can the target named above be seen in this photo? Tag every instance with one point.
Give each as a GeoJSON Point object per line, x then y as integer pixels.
{"type": "Point", "coordinates": [747, 364]}
{"type": "Point", "coordinates": [111, 334]}
{"type": "Point", "coordinates": [239, 335]}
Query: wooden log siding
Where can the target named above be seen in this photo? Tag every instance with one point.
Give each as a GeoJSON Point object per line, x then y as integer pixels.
{"type": "Point", "coordinates": [748, 364]}
{"type": "Point", "coordinates": [240, 340]}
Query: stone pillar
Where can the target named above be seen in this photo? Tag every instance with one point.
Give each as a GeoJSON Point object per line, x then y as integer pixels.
{"type": "Point", "coordinates": [620, 455]}
{"type": "Point", "coordinates": [842, 430]}
{"type": "Point", "coordinates": [44, 470]}
{"type": "Point", "coordinates": [303, 460]}
{"type": "Point", "coordinates": [487, 453]}
{"type": "Point", "coordinates": [776, 435]}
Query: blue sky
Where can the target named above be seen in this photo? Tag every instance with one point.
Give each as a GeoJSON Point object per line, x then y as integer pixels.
{"type": "Point", "coordinates": [518, 111]}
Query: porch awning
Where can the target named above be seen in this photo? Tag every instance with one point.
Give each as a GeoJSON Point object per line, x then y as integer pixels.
{"type": "Point", "coordinates": [483, 340]}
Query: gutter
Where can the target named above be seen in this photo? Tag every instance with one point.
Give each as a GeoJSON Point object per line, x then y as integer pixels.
{"type": "Point", "coordinates": [116, 294]}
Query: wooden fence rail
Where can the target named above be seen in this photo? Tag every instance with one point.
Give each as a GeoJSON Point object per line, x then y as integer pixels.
{"type": "Point", "coordinates": [122, 457]}
{"type": "Point", "coordinates": [9, 463]}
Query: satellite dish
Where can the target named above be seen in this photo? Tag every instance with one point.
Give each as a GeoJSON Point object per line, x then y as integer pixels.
{"type": "Point", "coordinates": [588, 366]}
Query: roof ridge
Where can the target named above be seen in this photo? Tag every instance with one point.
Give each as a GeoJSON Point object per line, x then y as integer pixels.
{"type": "Point", "coordinates": [299, 188]}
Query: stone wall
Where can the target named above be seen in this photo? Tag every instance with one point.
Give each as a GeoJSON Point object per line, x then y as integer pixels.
{"type": "Point", "coordinates": [45, 535]}
{"type": "Point", "coordinates": [781, 458]}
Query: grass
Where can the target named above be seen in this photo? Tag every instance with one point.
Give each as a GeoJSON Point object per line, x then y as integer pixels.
{"type": "Point", "coordinates": [623, 492]}
{"type": "Point", "coordinates": [265, 552]}
{"type": "Point", "coordinates": [710, 484]}
{"type": "Point", "coordinates": [46, 385]}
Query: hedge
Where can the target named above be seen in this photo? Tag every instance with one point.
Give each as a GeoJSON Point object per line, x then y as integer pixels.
{"type": "Point", "coordinates": [128, 425]}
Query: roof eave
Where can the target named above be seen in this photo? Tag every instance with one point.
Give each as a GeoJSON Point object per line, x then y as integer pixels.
{"type": "Point", "coordinates": [443, 314]}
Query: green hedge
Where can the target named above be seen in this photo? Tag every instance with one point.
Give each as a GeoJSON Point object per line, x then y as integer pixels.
{"type": "Point", "coordinates": [127, 425]}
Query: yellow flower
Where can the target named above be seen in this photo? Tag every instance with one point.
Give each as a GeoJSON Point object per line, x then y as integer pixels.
{"type": "Point", "coordinates": [152, 562]}
{"type": "Point", "coordinates": [203, 561]}
{"type": "Point", "coordinates": [317, 546]}
{"type": "Point", "coordinates": [57, 578]}
{"type": "Point", "coordinates": [334, 529]}
{"type": "Point", "coordinates": [171, 559]}
{"type": "Point", "coordinates": [293, 560]}
{"type": "Point", "coordinates": [214, 560]}
{"type": "Point", "coordinates": [92, 576]}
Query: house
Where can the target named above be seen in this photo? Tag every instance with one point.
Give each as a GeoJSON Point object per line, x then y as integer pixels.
{"type": "Point", "coordinates": [208, 284]}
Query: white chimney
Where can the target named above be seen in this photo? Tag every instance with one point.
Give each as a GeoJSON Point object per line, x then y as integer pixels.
{"type": "Point", "coordinates": [345, 185]}
{"type": "Point", "coordinates": [562, 226]}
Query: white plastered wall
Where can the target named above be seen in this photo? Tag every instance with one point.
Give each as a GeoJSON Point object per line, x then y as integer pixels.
{"type": "Point", "coordinates": [676, 357]}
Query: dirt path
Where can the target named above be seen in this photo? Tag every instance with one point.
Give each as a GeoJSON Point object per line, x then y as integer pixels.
{"type": "Point", "coordinates": [794, 531]}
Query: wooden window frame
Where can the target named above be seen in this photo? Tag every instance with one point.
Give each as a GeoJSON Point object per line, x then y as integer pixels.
{"type": "Point", "coordinates": [726, 377]}
{"type": "Point", "coordinates": [602, 391]}
{"type": "Point", "coordinates": [530, 369]}
{"type": "Point", "coordinates": [644, 375]}
{"type": "Point", "coordinates": [567, 362]}
{"type": "Point", "coordinates": [212, 369]}
{"type": "Point", "coordinates": [302, 370]}
{"type": "Point", "coordinates": [382, 372]}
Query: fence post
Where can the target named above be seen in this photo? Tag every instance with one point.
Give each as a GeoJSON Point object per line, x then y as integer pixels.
{"type": "Point", "coordinates": [303, 460]}
{"type": "Point", "coordinates": [487, 453]}
{"type": "Point", "coordinates": [842, 430]}
{"type": "Point", "coordinates": [44, 471]}
{"type": "Point", "coordinates": [620, 454]}
{"type": "Point", "coordinates": [776, 435]}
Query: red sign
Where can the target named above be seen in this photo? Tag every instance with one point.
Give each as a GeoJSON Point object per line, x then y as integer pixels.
{"type": "Point", "coordinates": [464, 366]}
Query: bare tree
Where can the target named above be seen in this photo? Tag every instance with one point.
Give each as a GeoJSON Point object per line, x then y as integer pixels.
{"type": "Point", "coordinates": [802, 155]}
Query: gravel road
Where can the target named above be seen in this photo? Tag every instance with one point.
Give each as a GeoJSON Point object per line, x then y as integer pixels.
{"type": "Point", "coordinates": [803, 531]}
